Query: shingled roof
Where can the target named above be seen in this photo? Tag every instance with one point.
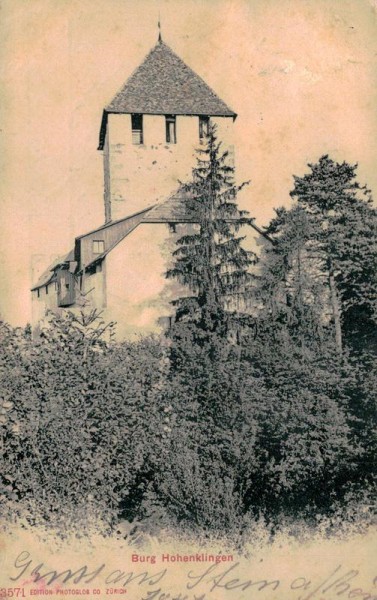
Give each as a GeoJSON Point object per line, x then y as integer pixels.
{"type": "Point", "coordinates": [162, 85]}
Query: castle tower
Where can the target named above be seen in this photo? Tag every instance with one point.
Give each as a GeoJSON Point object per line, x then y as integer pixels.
{"type": "Point", "coordinates": [150, 131]}
{"type": "Point", "coordinates": [148, 136]}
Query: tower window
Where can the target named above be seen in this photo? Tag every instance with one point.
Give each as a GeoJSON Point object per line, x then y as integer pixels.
{"type": "Point", "coordinates": [171, 133]}
{"type": "Point", "coordinates": [137, 128]}
{"type": "Point", "coordinates": [98, 246]}
{"type": "Point", "coordinates": [203, 127]}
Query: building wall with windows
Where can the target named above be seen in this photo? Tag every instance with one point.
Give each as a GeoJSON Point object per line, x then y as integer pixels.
{"type": "Point", "coordinates": [112, 284]}
{"type": "Point", "coordinates": [143, 167]}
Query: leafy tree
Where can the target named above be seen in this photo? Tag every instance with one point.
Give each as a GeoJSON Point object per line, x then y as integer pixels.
{"type": "Point", "coordinates": [318, 290]}
{"type": "Point", "coordinates": [306, 431]}
{"type": "Point", "coordinates": [75, 441]}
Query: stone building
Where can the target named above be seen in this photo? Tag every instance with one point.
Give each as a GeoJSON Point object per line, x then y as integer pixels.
{"type": "Point", "coordinates": [148, 136]}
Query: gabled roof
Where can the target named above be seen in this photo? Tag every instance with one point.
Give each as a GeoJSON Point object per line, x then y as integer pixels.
{"type": "Point", "coordinates": [162, 85]}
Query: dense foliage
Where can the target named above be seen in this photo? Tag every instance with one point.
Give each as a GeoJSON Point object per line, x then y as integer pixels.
{"type": "Point", "coordinates": [323, 265]}
{"type": "Point", "coordinates": [74, 434]}
{"type": "Point", "coordinates": [231, 417]}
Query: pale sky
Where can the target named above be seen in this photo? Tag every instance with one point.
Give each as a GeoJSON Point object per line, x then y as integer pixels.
{"type": "Point", "coordinates": [301, 75]}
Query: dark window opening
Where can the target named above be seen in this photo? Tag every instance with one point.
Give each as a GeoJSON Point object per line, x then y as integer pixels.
{"type": "Point", "coordinates": [137, 129]}
{"type": "Point", "coordinates": [91, 270]}
{"type": "Point", "coordinates": [203, 127]}
{"type": "Point", "coordinates": [38, 293]}
{"type": "Point", "coordinates": [171, 133]}
{"type": "Point", "coordinates": [46, 290]}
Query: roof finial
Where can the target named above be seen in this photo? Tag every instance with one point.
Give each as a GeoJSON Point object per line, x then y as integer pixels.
{"type": "Point", "coordinates": [159, 27]}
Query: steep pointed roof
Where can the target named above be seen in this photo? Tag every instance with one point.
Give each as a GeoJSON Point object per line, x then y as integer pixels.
{"type": "Point", "coordinates": [164, 84]}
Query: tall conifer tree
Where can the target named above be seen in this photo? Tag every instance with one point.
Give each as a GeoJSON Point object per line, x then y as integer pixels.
{"type": "Point", "coordinates": [211, 261]}
{"type": "Point", "coordinates": [344, 240]}
{"type": "Point", "coordinates": [324, 261]}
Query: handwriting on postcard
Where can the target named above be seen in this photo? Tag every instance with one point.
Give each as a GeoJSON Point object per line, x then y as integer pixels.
{"type": "Point", "coordinates": [197, 581]}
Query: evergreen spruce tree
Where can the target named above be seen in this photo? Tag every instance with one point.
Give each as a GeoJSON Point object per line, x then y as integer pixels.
{"type": "Point", "coordinates": [211, 262]}
{"type": "Point", "coordinates": [205, 381]}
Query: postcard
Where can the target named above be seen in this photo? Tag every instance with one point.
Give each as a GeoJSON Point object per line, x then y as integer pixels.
{"type": "Point", "coordinates": [188, 299]}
